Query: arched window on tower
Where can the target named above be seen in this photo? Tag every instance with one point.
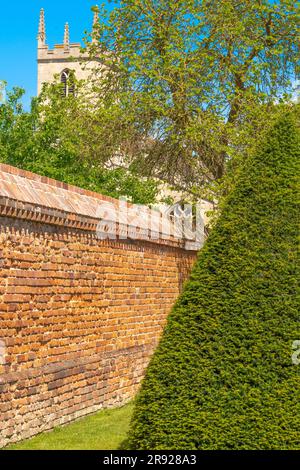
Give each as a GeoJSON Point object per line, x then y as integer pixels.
{"type": "Point", "coordinates": [68, 84]}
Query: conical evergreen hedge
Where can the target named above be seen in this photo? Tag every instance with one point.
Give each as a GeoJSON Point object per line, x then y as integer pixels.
{"type": "Point", "coordinates": [222, 376]}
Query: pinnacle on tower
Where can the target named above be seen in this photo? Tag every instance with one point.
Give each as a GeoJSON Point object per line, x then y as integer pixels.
{"type": "Point", "coordinates": [42, 29]}
{"type": "Point", "coordinates": [67, 36]}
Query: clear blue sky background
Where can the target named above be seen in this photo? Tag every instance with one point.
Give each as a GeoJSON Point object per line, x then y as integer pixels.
{"type": "Point", "coordinates": [18, 32]}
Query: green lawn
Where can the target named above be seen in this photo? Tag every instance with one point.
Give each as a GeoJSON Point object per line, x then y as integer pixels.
{"type": "Point", "coordinates": [104, 430]}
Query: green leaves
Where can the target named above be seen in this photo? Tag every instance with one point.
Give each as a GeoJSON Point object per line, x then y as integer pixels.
{"type": "Point", "coordinates": [222, 376]}
{"type": "Point", "coordinates": [59, 138]}
{"type": "Point", "coordinates": [206, 68]}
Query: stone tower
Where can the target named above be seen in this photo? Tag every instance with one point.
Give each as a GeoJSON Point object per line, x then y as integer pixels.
{"type": "Point", "coordinates": [62, 58]}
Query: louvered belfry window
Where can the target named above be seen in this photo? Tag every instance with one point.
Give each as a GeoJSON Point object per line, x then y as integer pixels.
{"type": "Point", "coordinates": [68, 88]}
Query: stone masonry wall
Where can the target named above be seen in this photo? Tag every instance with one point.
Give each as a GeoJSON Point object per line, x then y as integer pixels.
{"type": "Point", "coordinates": [79, 317]}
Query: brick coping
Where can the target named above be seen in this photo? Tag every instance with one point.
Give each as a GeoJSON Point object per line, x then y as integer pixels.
{"type": "Point", "coordinates": [52, 182]}
{"type": "Point", "coordinates": [30, 196]}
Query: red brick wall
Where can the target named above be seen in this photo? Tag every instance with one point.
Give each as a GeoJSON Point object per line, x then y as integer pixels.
{"type": "Point", "coordinates": [79, 319]}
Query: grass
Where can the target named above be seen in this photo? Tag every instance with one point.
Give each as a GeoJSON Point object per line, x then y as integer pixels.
{"type": "Point", "coordinates": [104, 430]}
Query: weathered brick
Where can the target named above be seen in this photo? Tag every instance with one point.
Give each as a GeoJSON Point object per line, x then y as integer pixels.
{"type": "Point", "coordinates": [80, 319]}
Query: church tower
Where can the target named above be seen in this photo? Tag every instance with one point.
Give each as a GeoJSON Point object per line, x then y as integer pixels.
{"type": "Point", "coordinates": [62, 59]}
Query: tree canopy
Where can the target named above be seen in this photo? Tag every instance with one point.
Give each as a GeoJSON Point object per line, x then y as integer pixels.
{"type": "Point", "coordinates": [188, 84]}
{"type": "Point", "coordinates": [48, 140]}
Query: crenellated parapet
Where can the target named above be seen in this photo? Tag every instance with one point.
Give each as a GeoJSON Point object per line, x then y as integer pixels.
{"type": "Point", "coordinates": [65, 56]}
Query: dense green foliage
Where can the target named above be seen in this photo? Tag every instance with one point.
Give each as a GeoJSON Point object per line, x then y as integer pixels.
{"type": "Point", "coordinates": [223, 376]}
{"type": "Point", "coordinates": [48, 140]}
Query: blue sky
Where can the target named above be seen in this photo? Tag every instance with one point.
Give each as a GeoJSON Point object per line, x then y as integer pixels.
{"type": "Point", "coordinates": [18, 31]}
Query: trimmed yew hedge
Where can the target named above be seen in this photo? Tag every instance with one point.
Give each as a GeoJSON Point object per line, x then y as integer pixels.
{"type": "Point", "coordinates": [222, 376]}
